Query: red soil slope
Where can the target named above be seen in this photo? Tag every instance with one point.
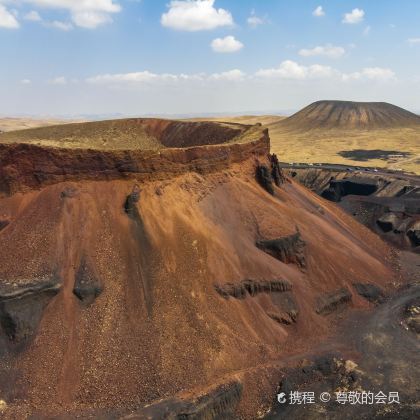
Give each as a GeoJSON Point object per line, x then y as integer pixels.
{"type": "Point", "coordinates": [128, 292]}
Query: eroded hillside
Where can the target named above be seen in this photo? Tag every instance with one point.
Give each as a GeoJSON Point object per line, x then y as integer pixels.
{"type": "Point", "coordinates": [177, 277]}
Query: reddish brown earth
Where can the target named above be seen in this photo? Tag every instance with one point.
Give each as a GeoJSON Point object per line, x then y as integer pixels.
{"type": "Point", "coordinates": [108, 304]}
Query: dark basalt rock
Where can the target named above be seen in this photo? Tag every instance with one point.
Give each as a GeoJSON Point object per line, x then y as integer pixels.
{"type": "Point", "coordinates": [252, 288]}
{"type": "Point", "coordinates": [370, 292]}
{"type": "Point", "coordinates": [388, 222]}
{"type": "Point", "coordinates": [263, 176]}
{"type": "Point", "coordinates": [3, 224]}
{"type": "Point", "coordinates": [69, 192]}
{"type": "Point", "coordinates": [22, 304]}
{"type": "Point", "coordinates": [332, 301]}
{"type": "Point", "coordinates": [266, 176]}
{"type": "Point", "coordinates": [349, 186]}
{"type": "Point", "coordinates": [219, 403]}
{"type": "Point", "coordinates": [281, 318]}
{"type": "Point", "coordinates": [276, 171]}
{"type": "Point", "coordinates": [130, 205]}
{"type": "Point", "coordinates": [287, 305]}
{"type": "Point", "coordinates": [87, 286]}
{"type": "Point", "coordinates": [413, 234]}
{"type": "Point", "coordinates": [289, 249]}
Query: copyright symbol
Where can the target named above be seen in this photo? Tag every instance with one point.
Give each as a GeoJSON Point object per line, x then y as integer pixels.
{"type": "Point", "coordinates": [281, 398]}
{"type": "Point", "coordinates": [325, 397]}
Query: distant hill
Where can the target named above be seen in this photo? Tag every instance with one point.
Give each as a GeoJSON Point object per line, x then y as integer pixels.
{"type": "Point", "coordinates": [16, 123]}
{"type": "Point", "coordinates": [350, 115]}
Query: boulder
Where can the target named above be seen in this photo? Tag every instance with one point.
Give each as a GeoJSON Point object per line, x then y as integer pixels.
{"type": "Point", "coordinates": [87, 286]}
{"type": "Point", "coordinates": [289, 249]}
{"type": "Point", "coordinates": [252, 288]}
{"type": "Point", "coordinates": [369, 291]}
{"type": "Point", "coordinates": [288, 311]}
{"type": "Point", "coordinates": [330, 302]}
{"type": "Point", "coordinates": [22, 303]}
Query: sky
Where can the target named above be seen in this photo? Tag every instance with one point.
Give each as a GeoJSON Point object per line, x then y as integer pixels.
{"type": "Point", "coordinates": [198, 57]}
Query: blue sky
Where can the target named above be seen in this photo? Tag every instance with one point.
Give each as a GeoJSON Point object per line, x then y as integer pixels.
{"type": "Point", "coordinates": [86, 57]}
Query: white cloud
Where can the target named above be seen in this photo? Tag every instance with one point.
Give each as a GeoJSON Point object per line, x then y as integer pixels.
{"type": "Point", "coordinates": [108, 6]}
{"type": "Point", "coordinates": [371, 73]}
{"type": "Point", "coordinates": [367, 30]}
{"type": "Point", "coordinates": [254, 20]}
{"type": "Point", "coordinates": [413, 41]}
{"type": "Point", "coordinates": [7, 19]}
{"type": "Point", "coordinates": [328, 50]}
{"type": "Point", "coordinates": [295, 71]}
{"type": "Point", "coordinates": [25, 82]}
{"type": "Point", "coordinates": [231, 76]}
{"type": "Point", "coordinates": [91, 20]}
{"type": "Point", "coordinates": [291, 70]}
{"type": "Point", "coordinates": [355, 16]}
{"type": "Point", "coordinates": [135, 77]}
{"type": "Point", "coordinates": [226, 45]}
{"type": "Point", "coordinates": [33, 16]}
{"type": "Point", "coordinates": [63, 26]}
{"type": "Point", "coordinates": [58, 81]}
{"type": "Point", "coordinates": [149, 78]}
{"type": "Point", "coordinates": [195, 15]}
{"type": "Point", "coordinates": [84, 13]}
{"type": "Point", "coordinates": [319, 12]}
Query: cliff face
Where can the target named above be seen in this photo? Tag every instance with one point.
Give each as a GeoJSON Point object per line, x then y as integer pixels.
{"type": "Point", "coordinates": [388, 203]}
{"type": "Point", "coordinates": [27, 166]}
{"type": "Point", "coordinates": [126, 277]}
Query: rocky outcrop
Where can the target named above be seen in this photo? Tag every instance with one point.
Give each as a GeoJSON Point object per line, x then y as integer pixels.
{"type": "Point", "coordinates": [263, 177]}
{"type": "Point", "coordinates": [391, 211]}
{"type": "Point", "coordinates": [288, 310]}
{"type": "Point", "coordinates": [413, 234]}
{"type": "Point", "coordinates": [289, 249]}
{"type": "Point", "coordinates": [130, 205]}
{"type": "Point", "coordinates": [3, 224]}
{"type": "Point", "coordinates": [217, 403]}
{"type": "Point", "coordinates": [388, 222]}
{"type": "Point", "coordinates": [252, 288]}
{"type": "Point", "coordinates": [87, 286]}
{"type": "Point", "coordinates": [349, 186]}
{"type": "Point", "coordinates": [276, 171]}
{"type": "Point", "coordinates": [330, 302]}
{"type": "Point", "coordinates": [267, 176]}
{"type": "Point", "coordinates": [369, 291]}
{"type": "Point", "coordinates": [22, 303]}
